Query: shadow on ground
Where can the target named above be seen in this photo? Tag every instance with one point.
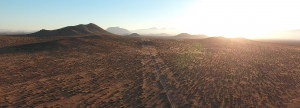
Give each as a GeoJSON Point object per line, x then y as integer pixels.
{"type": "Point", "coordinates": [50, 45]}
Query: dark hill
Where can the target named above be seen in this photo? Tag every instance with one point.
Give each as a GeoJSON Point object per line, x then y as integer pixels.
{"type": "Point", "coordinates": [73, 30]}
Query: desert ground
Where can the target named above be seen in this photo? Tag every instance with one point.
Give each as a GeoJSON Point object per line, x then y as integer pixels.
{"type": "Point", "coordinates": [123, 72]}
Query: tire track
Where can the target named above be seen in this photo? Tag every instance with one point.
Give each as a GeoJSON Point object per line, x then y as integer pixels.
{"type": "Point", "coordinates": [147, 43]}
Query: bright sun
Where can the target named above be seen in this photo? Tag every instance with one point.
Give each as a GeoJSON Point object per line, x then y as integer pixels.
{"type": "Point", "coordinates": [236, 18]}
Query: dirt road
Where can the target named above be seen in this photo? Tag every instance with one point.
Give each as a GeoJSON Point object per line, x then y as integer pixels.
{"type": "Point", "coordinates": [148, 45]}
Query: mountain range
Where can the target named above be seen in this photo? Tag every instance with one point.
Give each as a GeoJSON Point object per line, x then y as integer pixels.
{"type": "Point", "coordinates": [73, 30]}
{"type": "Point", "coordinates": [134, 35]}
{"type": "Point", "coordinates": [147, 32]}
{"type": "Point", "coordinates": [118, 31]}
{"type": "Point", "coordinates": [15, 32]}
{"type": "Point", "coordinates": [94, 29]}
{"type": "Point", "coordinates": [189, 36]}
{"type": "Point", "coordinates": [156, 31]}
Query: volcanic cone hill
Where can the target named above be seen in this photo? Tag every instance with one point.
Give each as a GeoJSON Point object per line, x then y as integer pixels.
{"type": "Point", "coordinates": [73, 31]}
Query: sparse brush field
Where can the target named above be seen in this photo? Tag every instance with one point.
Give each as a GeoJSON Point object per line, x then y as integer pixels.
{"type": "Point", "coordinates": [112, 71]}
{"type": "Point", "coordinates": [220, 72]}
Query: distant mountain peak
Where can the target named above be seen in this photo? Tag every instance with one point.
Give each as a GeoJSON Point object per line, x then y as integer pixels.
{"type": "Point", "coordinates": [92, 24]}
{"type": "Point", "coordinates": [118, 30]}
{"type": "Point", "coordinates": [134, 34]}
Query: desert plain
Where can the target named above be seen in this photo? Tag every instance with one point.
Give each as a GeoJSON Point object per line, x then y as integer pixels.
{"type": "Point", "coordinates": [111, 71]}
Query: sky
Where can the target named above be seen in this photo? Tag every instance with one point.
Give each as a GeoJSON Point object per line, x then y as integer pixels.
{"type": "Point", "coordinates": [231, 18]}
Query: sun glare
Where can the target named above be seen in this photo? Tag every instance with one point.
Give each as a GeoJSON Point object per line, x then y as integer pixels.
{"type": "Point", "coordinates": [235, 18]}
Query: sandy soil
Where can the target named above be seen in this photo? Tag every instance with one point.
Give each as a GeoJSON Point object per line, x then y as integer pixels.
{"type": "Point", "coordinates": [220, 72]}
{"type": "Point", "coordinates": [112, 71]}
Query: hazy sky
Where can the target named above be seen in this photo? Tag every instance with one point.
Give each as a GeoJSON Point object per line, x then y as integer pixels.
{"type": "Point", "coordinates": [212, 17]}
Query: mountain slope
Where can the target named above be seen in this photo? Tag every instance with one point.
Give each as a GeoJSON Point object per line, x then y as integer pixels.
{"type": "Point", "coordinates": [73, 30]}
